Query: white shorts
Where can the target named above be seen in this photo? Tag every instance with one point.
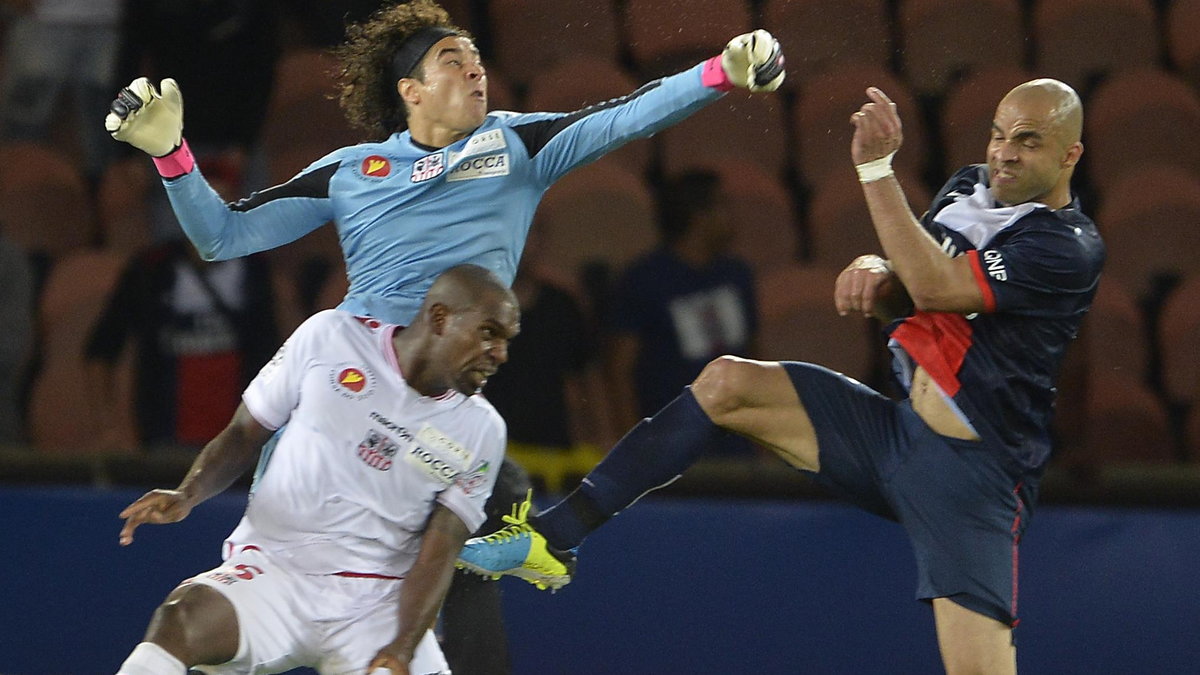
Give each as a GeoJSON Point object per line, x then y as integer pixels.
{"type": "Point", "coordinates": [287, 619]}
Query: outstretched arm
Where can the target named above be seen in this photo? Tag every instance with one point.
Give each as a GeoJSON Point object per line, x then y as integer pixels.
{"type": "Point", "coordinates": [425, 587]}
{"type": "Point", "coordinates": [222, 461]}
{"type": "Point", "coordinates": [935, 281]}
{"type": "Point", "coordinates": [152, 121]}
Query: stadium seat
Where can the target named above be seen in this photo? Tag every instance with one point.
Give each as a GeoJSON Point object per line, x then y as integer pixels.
{"type": "Point", "coordinates": [576, 82]}
{"type": "Point", "coordinates": [1149, 224]}
{"type": "Point", "coordinates": [61, 414]}
{"type": "Point", "coordinates": [1126, 423]}
{"type": "Point", "coordinates": [742, 126]}
{"type": "Point", "coordinates": [819, 34]}
{"type": "Point", "coordinates": [563, 29]}
{"type": "Point", "coordinates": [1179, 337]}
{"type": "Point", "coordinates": [968, 111]}
{"type": "Point", "coordinates": [44, 203]}
{"type": "Point", "coordinates": [1183, 45]}
{"type": "Point", "coordinates": [304, 99]}
{"type": "Point", "coordinates": [821, 129]}
{"type": "Point", "coordinates": [600, 213]}
{"type": "Point", "coordinates": [799, 322]}
{"type": "Point", "coordinates": [1137, 118]}
{"type": "Point", "coordinates": [1078, 41]}
{"type": "Point", "coordinates": [940, 40]}
{"type": "Point", "coordinates": [839, 225]}
{"type": "Point", "coordinates": [663, 39]}
{"type": "Point", "coordinates": [767, 227]}
{"type": "Point", "coordinates": [1116, 331]}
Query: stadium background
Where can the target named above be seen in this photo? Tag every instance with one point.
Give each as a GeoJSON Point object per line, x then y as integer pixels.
{"type": "Point", "coordinates": [736, 568]}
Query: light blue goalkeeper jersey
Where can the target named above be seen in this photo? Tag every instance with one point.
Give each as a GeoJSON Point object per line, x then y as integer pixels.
{"type": "Point", "coordinates": [405, 212]}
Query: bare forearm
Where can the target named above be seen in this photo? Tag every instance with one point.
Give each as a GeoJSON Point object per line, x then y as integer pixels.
{"type": "Point", "coordinates": [226, 458]}
{"type": "Point", "coordinates": [920, 263]}
{"type": "Point", "coordinates": [427, 581]}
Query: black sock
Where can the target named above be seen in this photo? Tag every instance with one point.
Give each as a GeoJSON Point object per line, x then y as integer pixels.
{"type": "Point", "coordinates": [651, 455]}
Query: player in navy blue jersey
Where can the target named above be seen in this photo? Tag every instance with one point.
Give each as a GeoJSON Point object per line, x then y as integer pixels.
{"type": "Point", "coordinates": [981, 296]}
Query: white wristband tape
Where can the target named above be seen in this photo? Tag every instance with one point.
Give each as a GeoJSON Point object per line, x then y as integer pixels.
{"type": "Point", "coordinates": [876, 169]}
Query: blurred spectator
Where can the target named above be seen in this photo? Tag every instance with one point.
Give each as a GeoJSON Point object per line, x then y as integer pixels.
{"type": "Point", "coordinates": [222, 53]}
{"type": "Point", "coordinates": [202, 331]}
{"type": "Point", "coordinates": [16, 340]}
{"type": "Point", "coordinates": [681, 305]}
{"type": "Point", "coordinates": [54, 48]}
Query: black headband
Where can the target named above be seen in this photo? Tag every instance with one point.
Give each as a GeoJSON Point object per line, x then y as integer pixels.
{"type": "Point", "coordinates": [413, 49]}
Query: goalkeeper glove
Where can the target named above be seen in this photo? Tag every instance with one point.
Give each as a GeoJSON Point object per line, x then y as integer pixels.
{"type": "Point", "coordinates": [754, 61]}
{"type": "Point", "coordinates": [147, 120]}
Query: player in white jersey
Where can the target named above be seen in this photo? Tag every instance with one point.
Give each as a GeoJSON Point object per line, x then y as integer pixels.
{"type": "Point", "coordinates": [346, 549]}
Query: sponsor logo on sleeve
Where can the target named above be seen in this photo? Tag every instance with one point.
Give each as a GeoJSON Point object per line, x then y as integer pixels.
{"type": "Point", "coordinates": [993, 262]}
{"type": "Point", "coordinates": [472, 481]}
{"type": "Point", "coordinates": [427, 168]}
{"type": "Point", "coordinates": [485, 166]}
{"type": "Point", "coordinates": [376, 166]}
{"type": "Point", "coordinates": [352, 381]}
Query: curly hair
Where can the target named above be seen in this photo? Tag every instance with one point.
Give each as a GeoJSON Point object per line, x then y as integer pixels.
{"type": "Point", "coordinates": [366, 86]}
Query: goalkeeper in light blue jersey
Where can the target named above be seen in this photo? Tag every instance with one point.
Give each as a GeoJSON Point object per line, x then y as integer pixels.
{"type": "Point", "coordinates": [447, 183]}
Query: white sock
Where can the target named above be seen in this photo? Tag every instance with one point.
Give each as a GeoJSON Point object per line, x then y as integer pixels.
{"type": "Point", "coordinates": [149, 659]}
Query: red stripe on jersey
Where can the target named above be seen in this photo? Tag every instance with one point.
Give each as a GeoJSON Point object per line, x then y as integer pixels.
{"type": "Point", "coordinates": [938, 342]}
{"type": "Point", "coordinates": [1016, 526]}
{"type": "Point", "coordinates": [363, 575]}
{"type": "Point", "coordinates": [989, 297]}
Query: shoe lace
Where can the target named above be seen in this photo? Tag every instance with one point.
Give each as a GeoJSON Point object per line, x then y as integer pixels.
{"type": "Point", "coordinates": [518, 525]}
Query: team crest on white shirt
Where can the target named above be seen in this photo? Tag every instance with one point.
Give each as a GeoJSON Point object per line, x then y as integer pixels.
{"type": "Point", "coordinates": [352, 381]}
{"type": "Point", "coordinates": [469, 483]}
{"type": "Point", "coordinates": [377, 450]}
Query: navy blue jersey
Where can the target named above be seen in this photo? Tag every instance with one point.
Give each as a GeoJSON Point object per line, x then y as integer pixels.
{"type": "Point", "coordinates": [1038, 270]}
{"type": "Point", "coordinates": [406, 212]}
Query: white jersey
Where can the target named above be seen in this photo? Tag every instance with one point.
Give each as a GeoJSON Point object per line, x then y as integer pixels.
{"type": "Point", "coordinates": [363, 457]}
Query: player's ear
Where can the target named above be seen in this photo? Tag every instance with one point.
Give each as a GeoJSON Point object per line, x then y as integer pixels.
{"type": "Point", "coordinates": [439, 318]}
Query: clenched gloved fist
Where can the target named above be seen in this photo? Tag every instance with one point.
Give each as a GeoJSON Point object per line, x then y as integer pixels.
{"type": "Point", "coordinates": [147, 120]}
{"type": "Point", "coordinates": [754, 61]}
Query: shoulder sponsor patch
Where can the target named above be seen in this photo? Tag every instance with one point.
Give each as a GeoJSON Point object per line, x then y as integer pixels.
{"type": "Point", "coordinates": [428, 168]}
{"type": "Point", "coordinates": [485, 166]}
{"type": "Point", "coordinates": [470, 482]}
{"type": "Point", "coordinates": [485, 142]}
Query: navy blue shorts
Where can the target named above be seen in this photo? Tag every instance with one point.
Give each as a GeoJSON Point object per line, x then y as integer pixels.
{"type": "Point", "coordinates": [963, 509]}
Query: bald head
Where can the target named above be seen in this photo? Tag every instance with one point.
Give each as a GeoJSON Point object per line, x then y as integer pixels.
{"type": "Point", "coordinates": [464, 286]}
{"type": "Point", "coordinates": [1055, 102]}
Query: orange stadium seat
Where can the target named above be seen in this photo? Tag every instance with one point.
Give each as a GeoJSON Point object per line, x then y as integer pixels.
{"type": "Point", "coordinates": [1077, 41]}
{"type": "Point", "coordinates": [1116, 331]}
{"type": "Point", "coordinates": [1138, 118]}
{"type": "Point", "coordinates": [600, 213]}
{"type": "Point", "coordinates": [301, 102]}
{"type": "Point", "coordinates": [61, 416]}
{"type": "Point", "coordinates": [1183, 43]}
{"type": "Point", "coordinates": [564, 29]}
{"type": "Point", "coordinates": [1149, 224]}
{"type": "Point", "coordinates": [942, 39]}
{"type": "Point", "coordinates": [799, 322]}
{"type": "Point", "coordinates": [839, 225]}
{"type": "Point", "coordinates": [576, 82]}
{"type": "Point", "coordinates": [821, 129]}
{"type": "Point", "coordinates": [1179, 337]}
{"type": "Point", "coordinates": [968, 111]}
{"type": "Point", "coordinates": [44, 202]}
{"type": "Point", "coordinates": [819, 34]}
{"type": "Point", "coordinates": [1126, 423]}
{"type": "Point", "coordinates": [764, 215]}
{"type": "Point", "coordinates": [741, 126]}
{"type": "Point", "coordinates": [663, 39]}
